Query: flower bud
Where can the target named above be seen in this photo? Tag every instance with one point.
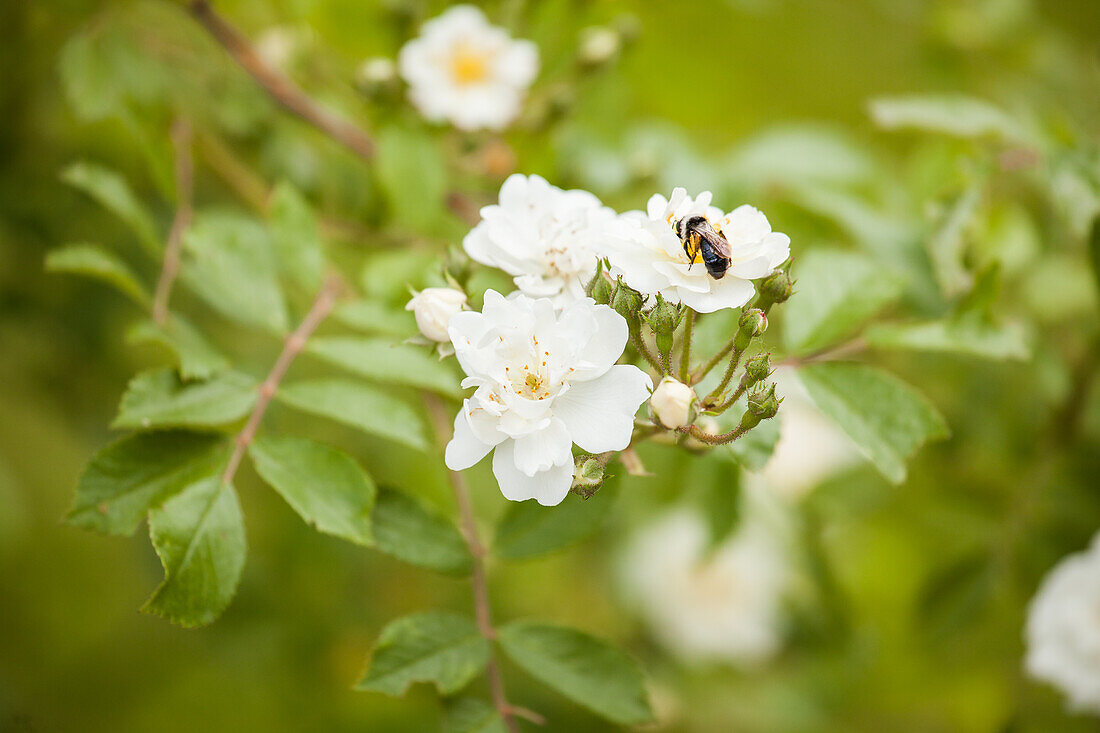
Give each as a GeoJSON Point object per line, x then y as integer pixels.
{"type": "Point", "coordinates": [757, 369]}
{"type": "Point", "coordinates": [663, 318]}
{"type": "Point", "coordinates": [598, 45]}
{"type": "Point", "coordinates": [752, 323]}
{"type": "Point", "coordinates": [671, 403]}
{"type": "Point", "coordinates": [376, 76]}
{"type": "Point", "coordinates": [599, 287]}
{"type": "Point", "coordinates": [433, 308]}
{"type": "Point", "coordinates": [626, 301]}
{"type": "Point", "coordinates": [775, 289]}
{"type": "Point", "coordinates": [762, 405]}
{"type": "Point", "coordinates": [588, 476]}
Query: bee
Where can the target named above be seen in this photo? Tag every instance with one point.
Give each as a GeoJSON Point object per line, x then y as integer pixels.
{"type": "Point", "coordinates": [701, 241]}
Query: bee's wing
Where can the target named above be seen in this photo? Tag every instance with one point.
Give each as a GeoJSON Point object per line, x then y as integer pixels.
{"type": "Point", "coordinates": [717, 242]}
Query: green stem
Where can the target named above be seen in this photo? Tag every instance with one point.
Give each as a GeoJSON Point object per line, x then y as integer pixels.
{"type": "Point", "coordinates": [709, 438]}
{"type": "Point", "coordinates": [640, 345]}
{"type": "Point", "coordinates": [734, 361]}
{"type": "Point", "coordinates": [733, 398]}
{"type": "Point", "coordinates": [685, 353]}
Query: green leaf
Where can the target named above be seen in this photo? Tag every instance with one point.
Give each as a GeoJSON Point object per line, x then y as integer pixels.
{"type": "Point", "coordinates": [528, 529]}
{"type": "Point", "coordinates": [135, 474]}
{"type": "Point", "coordinates": [384, 361]}
{"type": "Point", "coordinates": [158, 398]}
{"type": "Point", "coordinates": [412, 173]}
{"type": "Point", "coordinates": [1094, 252]}
{"type": "Point", "coordinates": [835, 293]}
{"type": "Point", "coordinates": [296, 238]}
{"type": "Point", "coordinates": [405, 529]}
{"type": "Point", "coordinates": [325, 486]}
{"type": "Point", "coordinates": [799, 154]}
{"type": "Point", "coordinates": [359, 405]}
{"type": "Point", "coordinates": [955, 115]}
{"type": "Point", "coordinates": [229, 265]}
{"type": "Point", "coordinates": [199, 536]}
{"type": "Point", "coordinates": [887, 419]}
{"type": "Point", "coordinates": [112, 192]}
{"type": "Point", "coordinates": [947, 244]}
{"type": "Point", "coordinates": [94, 261]}
{"type": "Point", "coordinates": [197, 358]}
{"type": "Point", "coordinates": [372, 317]}
{"type": "Point", "coordinates": [89, 83]}
{"type": "Point", "coordinates": [472, 715]}
{"type": "Point", "coordinates": [388, 276]}
{"type": "Point", "coordinates": [581, 667]}
{"type": "Point", "coordinates": [971, 335]}
{"type": "Point", "coordinates": [435, 646]}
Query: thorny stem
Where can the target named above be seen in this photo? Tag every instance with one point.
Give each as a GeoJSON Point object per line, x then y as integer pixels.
{"type": "Point", "coordinates": [482, 611]}
{"type": "Point", "coordinates": [295, 342]}
{"type": "Point", "coordinates": [730, 369]}
{"type": "Point", "coordinates": [701, 435]}
{"type": "Point", "coordinates": [181, 140]}
{"type": "Point", "coordinates": [640, 345]}
{"type": "Point", "coordinates": [685, 353]}
{"type": "Point", "coordinates": [698, 375]}
{"type": "Point", "coordinates": [277, 85]}
{"type": "Point", "coordinates": [732, 398]}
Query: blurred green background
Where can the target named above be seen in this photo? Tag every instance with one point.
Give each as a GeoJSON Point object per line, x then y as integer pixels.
{"type": "Point", "coordinates": [923, 627]}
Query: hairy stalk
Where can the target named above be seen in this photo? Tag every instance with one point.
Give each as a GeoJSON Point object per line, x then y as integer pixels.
{"type": "Point", "coordinates": [685, 351]}
{"type": "Point", "coordinates": [732, 398]}
{"type": "Point", "coordinates": [181, 141]}
{"type": "Point", "coordinates": [295, 342]}
{"type": "Point", "coordinates": [280, 88]}
{"type": "Point", "coordinates": [730, 369]}
{"type": "Point", "coordinates": [480, 585]}
{"type": "Point", "coordinates": [698, 375]}
{"type": "Point", "coordinates": [701, 435]}
{"type": "Point", "coordinates": [638, 340]}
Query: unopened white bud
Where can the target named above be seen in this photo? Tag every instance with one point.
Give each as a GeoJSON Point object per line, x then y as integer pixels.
{"type": "Point", "coordinates": [671, 403]}
{"type": "Point", "coordinates": [433, 308]}
{"type": "Point", "coordinates": [598, 45]}
{"type": "Point", "coordinates": [376, 72]}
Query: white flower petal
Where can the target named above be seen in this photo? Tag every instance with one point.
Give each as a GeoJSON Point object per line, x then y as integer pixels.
{"type": "Point", "coordinates": [546, 487]}
{"type": "Point", "coordinates": [599, 414]}
{"type": "Point", "coordinates": [729, 292]}
{"type": "Point", "coordinates": [543, 450]}
{"type": "Point", "coordinates": [465, 449]}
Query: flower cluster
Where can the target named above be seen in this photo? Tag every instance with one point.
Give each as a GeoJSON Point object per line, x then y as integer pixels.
{"type": "Point", "coordinates": [544, 359]}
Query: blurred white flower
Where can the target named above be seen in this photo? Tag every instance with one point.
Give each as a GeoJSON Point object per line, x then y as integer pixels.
{"type": "Point", "coordinates": [645, 250]}
{"type": "Point", "coordinates": [671, 403]}
{"type": "Point", "coordinates": [1063, 629]}
{"type": "Point", "coordinates": [723, 605]}
{"type": "Point", "coordinates": [282, 46]}
{"type": "Point", "coordinates": [433, 308]}
{"type": "Point", "coordinates": [375, 72]}
{"type": "Point", "coordinates": [811, 447]}
{"type": "Point", "coordinates": [464, 70]}
{"type": "Point", "coordinates": [545, 380]}
{"type": "Point", "coordinates": [546, 238]}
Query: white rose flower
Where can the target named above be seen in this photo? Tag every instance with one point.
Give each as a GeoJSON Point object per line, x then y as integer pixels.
{"type": "Point", "coordinates": [671, 403]}
{"type": "Point", "coordinates": [464, 70]}
{"type": "Point", "coordinates": [545, 380]}
{"type": "Point", "coordinates": [546, 238]}
{"type": "Point", "coordinates": [720, 605]}
{"type": "Point", "coordinates": [645, 250]}
{"type": "Point", "coordinates": [1063, 629]}
{"type": "Point", "coordinates": [433, 308]}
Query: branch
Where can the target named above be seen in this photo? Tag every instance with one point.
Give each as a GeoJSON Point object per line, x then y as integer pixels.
{"type": "Point", "coordinates": [482, 611]}
{"type": "Point", "coordinates": [326, 299]}
{"type": "Point", "coordinates": [181, 140]}
{"type": "Point", "coordinates": [638, 340]}
{"type": "Point", "coordinates": [699, 434]}
{"type": "Point", "coordinates": [278, 86]}
{"type": "Point", "coordinates": [709, 400]}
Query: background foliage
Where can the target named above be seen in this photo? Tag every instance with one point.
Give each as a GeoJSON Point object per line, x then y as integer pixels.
{"type": "Point", "coordinates": [916, 592]}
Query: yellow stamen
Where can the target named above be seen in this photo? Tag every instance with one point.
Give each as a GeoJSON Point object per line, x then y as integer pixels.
{"type": "Point", "coordinates": [468, 65]}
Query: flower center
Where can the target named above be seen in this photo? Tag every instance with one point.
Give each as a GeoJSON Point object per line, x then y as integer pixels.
{"type": "Point", "coordinates": [469, 65]}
